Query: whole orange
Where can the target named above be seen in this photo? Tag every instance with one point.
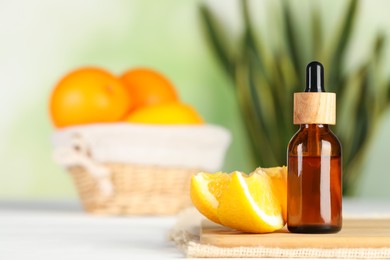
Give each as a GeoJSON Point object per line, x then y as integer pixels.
{"type": "Point", "coordinates": [148, 87]}
{"type": "Point", "coordinates": [167, 113]}
{"type": "Point", "coordinates": [88, 95]}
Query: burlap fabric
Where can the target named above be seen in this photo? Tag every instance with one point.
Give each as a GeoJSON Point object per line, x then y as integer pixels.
{"type": "Point", "coordinates": [186, 236]}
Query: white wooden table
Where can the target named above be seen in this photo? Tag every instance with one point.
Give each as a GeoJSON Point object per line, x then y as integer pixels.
{"type": "Point", "coordinates": [60, 230]}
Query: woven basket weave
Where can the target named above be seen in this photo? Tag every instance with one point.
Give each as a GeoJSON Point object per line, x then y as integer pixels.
{"type": "Point", "coordinates": [124, 169]}
{"type": "Point", "coordinates": [138, 190]}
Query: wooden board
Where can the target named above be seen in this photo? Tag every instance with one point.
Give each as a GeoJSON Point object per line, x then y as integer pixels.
{"type": "Point", "coordinates": [356, 233]}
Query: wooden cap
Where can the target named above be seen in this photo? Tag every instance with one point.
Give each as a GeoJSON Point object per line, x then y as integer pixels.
{"type": "Point", "coordinates": [315, 108]}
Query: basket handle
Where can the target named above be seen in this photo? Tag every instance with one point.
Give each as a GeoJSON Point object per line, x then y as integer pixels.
{"type": "Point", "coordinates": [79, 154]}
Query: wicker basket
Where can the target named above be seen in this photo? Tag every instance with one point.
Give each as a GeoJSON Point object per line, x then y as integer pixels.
{"type": "Point", "coordinates": [119, 187]}
{"type": "Point", "coordinates": [138, 189]}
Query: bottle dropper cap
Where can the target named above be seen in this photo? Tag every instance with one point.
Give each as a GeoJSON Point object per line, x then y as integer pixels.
{"type": "Point", "coordinates": [315, 106]}
{"type": "Point", "coordinates": [314, 77]}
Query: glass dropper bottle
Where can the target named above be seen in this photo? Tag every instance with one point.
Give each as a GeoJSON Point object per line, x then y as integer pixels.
{"type": "Point", "coordinates": [314, 160]}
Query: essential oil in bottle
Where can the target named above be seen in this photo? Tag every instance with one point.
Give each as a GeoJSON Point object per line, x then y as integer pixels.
{"type": "Point", "coordinates": [314, 160]}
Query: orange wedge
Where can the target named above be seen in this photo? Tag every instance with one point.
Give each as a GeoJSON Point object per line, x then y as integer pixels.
{"type": "Point", "coordinates": [205, 192]}
{"type": "Point", "coordinates": [256, 203]}
{"type": "Point", "coordinates": [249, 204]}
{"type": "Point", "coordinates": [278, 176]}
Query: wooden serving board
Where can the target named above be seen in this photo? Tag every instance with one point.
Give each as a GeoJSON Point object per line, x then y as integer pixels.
{"type": "Point", "coordinates": [356, 233]}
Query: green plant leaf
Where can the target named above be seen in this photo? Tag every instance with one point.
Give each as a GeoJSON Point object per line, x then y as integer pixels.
{"type": "Point", "coordinates": [341, 42]}
{"type": "Point", "coordinates": [316, 33]}
{"type": "Point", "coordinates": [252, 114]}
{"type": "Point", "coordinates": [291, 38]}
{"type": "Point", "coordinates": [255, 44]}
{"type": "Point", "coordinates": [216, 40]}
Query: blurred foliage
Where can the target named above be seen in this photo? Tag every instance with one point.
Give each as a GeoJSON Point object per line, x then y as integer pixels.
{"type": "Point", "coordinates": [265, 79]}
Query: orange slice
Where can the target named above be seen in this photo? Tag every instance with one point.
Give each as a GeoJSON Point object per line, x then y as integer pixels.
{"type": "Point", "coordinates": [249, 204]}
{"type": "Point", "coordinates": [278, 177]}
{"type": "Point", "coordinates": [205, 192]}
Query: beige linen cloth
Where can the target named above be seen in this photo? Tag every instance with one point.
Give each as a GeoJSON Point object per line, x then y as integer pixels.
{"type": "Point", "coordinates": [185, 234]}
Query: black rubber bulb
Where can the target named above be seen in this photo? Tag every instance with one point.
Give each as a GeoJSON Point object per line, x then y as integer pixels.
{"type": "Point", "coordinates": [314, 77]}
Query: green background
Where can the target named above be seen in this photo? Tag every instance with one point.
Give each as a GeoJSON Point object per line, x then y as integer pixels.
{"type": "Point", "coordinates": [43, 40]}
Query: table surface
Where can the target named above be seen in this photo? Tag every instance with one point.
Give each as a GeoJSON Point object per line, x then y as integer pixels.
{"type": "Point", "coordinates": [60, 230]}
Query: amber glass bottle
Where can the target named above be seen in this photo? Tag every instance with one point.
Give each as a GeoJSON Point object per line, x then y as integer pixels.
{"type": "Point", "coordinates": [314, 161]}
